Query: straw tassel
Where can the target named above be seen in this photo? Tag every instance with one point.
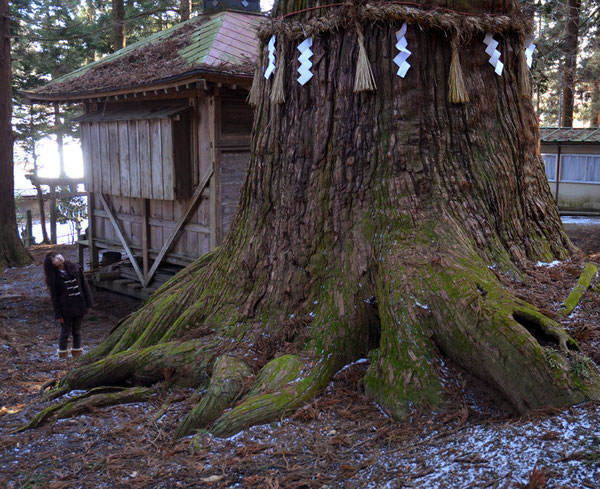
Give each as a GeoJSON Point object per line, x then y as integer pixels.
{"type": "Point", "coordinates": [524, 81]}
{"type": "Point", "coordinates": [277, 92]}
{"type": "Point", "coordinates": [364, 75]}
{"type": "Point", "coordinates": [257, 82]}
{"type": "Point", "coordinates": [457, 91]}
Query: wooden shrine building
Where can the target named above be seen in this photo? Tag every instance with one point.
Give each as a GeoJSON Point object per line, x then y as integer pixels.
{"type": "Point", "coordinates": [165, 138]}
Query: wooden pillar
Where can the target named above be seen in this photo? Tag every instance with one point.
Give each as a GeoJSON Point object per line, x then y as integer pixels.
{"type": "Point", "coordinates": [216, 220]}
{"type": "Point", "coordinates": [558, 170]}
{"type": "Point", "coordinates": [52, 214]}
{"type": "Point", "coordinates": [145, 236]}
{"type": "Point", "coordinates": [92, 231]}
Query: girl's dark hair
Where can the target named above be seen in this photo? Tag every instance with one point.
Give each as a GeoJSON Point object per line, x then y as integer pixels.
{"type": "Point", "coordinates": [49, 269]}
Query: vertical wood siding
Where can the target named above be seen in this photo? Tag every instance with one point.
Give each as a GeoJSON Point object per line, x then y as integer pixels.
{"type": "Point", "coordinates": [130, 158]}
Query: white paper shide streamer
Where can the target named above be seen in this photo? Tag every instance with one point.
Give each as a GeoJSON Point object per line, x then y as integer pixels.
{"type": "Point", "coordinates": [271, 66]}
{"type": "Point", "coordinates": [529, 49]}
{"type": "Point", "coordinates": [403, 54]}
{"type": "Point", "coordinates": [493, 53]}
{"type": "Point", "coordinates": [305, 62]}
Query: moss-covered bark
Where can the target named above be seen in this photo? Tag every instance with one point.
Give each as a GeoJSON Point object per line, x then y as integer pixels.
{"type": "Point", "coordinates": [226, 384]}
{"type": "Point", "coordinates": [368, 225]}
{"type": "Point", "coordinates": [97, 397]}
{"type": "Point", "coordinates": [583, 283]}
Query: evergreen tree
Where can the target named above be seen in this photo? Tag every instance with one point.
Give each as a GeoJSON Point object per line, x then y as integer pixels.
{"type": "Point", "coordinates": [12, 251]}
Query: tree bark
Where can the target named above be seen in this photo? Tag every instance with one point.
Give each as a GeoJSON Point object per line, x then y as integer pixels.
{"type": "Point", "coordinates": [12, 251]}
{"type": "Point", "coordinates": [118, 20]}
{"type": "Point", "coordinates": [185, 8]}
{"type": "Point", "coordinates": [571, 44]}
{"type": "Point", "coordinates": [372, 224]}
{"type": "Point", "coordinates": [594, 120]}
{"type": "Point", "coordinates": [91, 16]}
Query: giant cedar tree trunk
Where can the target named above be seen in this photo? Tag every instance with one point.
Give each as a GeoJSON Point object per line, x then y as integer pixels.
{"type": "Point", "coordinates": [371, 223]}
{"type": "Point", "coordinates": [12, 251]}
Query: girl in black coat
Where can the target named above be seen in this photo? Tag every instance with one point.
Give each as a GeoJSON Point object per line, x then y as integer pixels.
{"type": "Point", "coordinates": [71, 300]}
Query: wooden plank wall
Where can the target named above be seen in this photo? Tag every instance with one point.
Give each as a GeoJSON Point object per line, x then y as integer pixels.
{"type": "Point", "coordinates": [234, 151]}
{"type": "Point", "coordinates": [132, 159]}
{"type": "Point", "coordinates": [233, 171]}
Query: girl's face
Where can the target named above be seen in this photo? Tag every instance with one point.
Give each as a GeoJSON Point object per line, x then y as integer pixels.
{"type": "Point", "coordinates": [58, 260]}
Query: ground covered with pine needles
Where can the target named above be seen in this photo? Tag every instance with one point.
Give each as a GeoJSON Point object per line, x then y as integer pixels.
{"type": "Point", "coordinates": [341, 440]}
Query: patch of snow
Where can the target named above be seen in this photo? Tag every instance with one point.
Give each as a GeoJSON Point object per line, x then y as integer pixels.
{"type": "Point", "coordinates": [381, 410]}
{"type": "Point", "coordinates": [551, 264]}
{"type": "Point", "coordinates": [505, 451]}
{"type": "Point", "coordinates": [360, 360]}
{"type": "Point", "coordinates": [581, 220]}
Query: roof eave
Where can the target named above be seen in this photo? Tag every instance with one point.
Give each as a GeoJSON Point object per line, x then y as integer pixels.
{"type": "Point", "coordinates": [197, 75]}
{"type": "Point", "coordinates": [570, 136]}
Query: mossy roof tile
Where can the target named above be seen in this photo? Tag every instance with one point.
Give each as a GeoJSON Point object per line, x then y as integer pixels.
{"type": "Point", "coordinates": [220, 42]}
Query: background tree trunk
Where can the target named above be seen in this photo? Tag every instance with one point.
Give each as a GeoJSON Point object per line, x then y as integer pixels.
{"type": "Point", "coordinates": [91, 18]}
{"type": "Point", "coordinates": [12, 251]}
{"type": "Point", "coordinates": [371, 224]}
{"type": "Point", "coordinates": [38, 188]}
{"type": "Point", "coordinates": [571, 44]}
{"type": "Point", "coordinates": [185, 8]}
{"type": "Point", "coordinates": [118, 22]}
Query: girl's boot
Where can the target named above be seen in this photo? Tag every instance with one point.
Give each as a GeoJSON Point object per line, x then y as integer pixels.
{"type": "Point", "coordinates": [76, 352]}
{"type": "Point", "coordinates": [63, 353]}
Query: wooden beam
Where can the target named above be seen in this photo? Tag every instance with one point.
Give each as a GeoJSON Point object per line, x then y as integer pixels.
{"type": "Point", "coordinates": [182, 220]}
{"type": "Point", "coordinates": [153, 221]}
{"type": "Point", "coordinates": [173, 258]}
{"type": "Point", "coordinates": [121, 236]}
{"type": "Point", "coordinates": [35, 180]}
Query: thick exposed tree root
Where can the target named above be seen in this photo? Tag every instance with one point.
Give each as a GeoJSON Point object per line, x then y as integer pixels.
{"type": "Point", "coordinates": [97, 397]}
{"type": "Point", "coordinates": [460, 307]}
{"type": "Point", "coordinates": [583, 283]}
{"type": "Point", "coordinates": [226, 384]}
{"type": "Point", "coordinates": [186, 363]}
{"type": "Point", "coordinates": [283, 386]}
{"type": "Point", "coordinates": [55, 393]}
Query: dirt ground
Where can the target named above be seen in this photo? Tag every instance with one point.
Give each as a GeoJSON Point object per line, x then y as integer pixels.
{"type": "Point", "coordinates": [341, 440]}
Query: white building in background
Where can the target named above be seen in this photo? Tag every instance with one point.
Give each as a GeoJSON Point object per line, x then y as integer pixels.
{"type": "Point", "coordinates": [572, 160]}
